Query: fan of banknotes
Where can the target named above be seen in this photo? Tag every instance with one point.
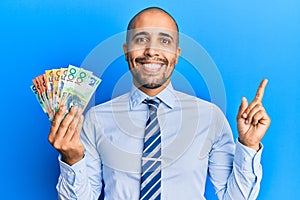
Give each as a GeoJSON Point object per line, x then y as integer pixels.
{"type": "Point", "coordinates": [64, 86]}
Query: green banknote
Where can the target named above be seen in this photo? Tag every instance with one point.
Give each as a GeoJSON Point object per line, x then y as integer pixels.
{"type": "Point", "coordinates": [76, 94]}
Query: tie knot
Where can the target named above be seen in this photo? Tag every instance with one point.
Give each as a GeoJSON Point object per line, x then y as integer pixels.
{"type": "Point", "coordinates": [152, 103]}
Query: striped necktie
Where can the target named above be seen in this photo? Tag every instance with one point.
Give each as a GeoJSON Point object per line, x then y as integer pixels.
{"type": "Point", "coordinates": [151, 159]}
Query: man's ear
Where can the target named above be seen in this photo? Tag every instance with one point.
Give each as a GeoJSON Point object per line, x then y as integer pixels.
{"type": "Point", "coordinates": [178, 52]}
{"type": "Point", "coordinates": [125, 50]}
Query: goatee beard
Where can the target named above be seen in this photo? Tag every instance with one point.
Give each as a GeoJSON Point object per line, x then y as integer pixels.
{"type": "Point", "coordinates": [152, 85]}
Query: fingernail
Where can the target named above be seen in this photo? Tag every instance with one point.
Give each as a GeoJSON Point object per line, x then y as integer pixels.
{"type": "Point", "coordinates": [247, 121]}
{"type": "Point", "coordinates": [244, 115]}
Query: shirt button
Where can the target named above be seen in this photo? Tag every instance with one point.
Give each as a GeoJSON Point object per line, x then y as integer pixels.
{"type": "Point", "coordinates": [246, 158]}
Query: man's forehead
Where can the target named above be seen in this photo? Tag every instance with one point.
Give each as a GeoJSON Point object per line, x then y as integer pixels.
{"type": "Point", "coordinates": [155, 18]}
{"type": "Point", "coordinates": [153, 31]}
{"type": "Point", "coordinates": [152, 22]}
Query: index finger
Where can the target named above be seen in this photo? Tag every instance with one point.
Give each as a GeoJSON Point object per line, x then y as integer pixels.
{"type": "Point", "coordinates": [261, 90]}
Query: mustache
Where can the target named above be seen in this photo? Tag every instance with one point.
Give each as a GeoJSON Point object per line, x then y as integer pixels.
{"type": "Point", "coordinates": [148, 59]}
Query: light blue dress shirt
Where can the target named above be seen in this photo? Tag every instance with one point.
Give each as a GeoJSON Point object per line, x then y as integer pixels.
{"type": "Point", "coordinates": [196, 141]}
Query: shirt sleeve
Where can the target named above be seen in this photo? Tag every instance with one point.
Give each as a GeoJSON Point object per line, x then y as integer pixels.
{"type": "Point", "coordinates": [82, 180]}
{"type": "Point", "coordinates": [234, 169]}
{"type": "Point", "coordinates": [247, 162]}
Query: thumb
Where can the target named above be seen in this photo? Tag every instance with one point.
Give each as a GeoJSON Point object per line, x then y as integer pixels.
{"type": "Point", "coordinates": [243, 106]}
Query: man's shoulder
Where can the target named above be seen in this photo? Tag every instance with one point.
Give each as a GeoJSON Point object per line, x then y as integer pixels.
{"type": "Point", "coordinates": [194, 102]}
{"type": "Point", "coordinates": [184, 97]}
{"type": "Point", "coordinates": [115, 103]}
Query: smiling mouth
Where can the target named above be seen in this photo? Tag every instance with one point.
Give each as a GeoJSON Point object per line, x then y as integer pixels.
{"type": "Point", "coordinates": [152, 67]}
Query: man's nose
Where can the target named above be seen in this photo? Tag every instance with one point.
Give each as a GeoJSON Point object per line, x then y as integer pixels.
{"type": "Point", "coordinates": [152, 49]}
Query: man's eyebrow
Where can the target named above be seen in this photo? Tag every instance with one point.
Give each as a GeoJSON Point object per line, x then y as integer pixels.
{"type": "Point", "coordinates": [140, 33]}
{"type": "Point", "coordinates": [166, 35]}
{"type": "Point", "coordinates": [146, 33]}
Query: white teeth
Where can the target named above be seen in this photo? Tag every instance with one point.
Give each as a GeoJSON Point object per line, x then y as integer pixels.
{"type": "Point", "coordinates": [152, 66]}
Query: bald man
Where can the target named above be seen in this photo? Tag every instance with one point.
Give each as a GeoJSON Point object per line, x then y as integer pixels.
{"type": "Point", "coordinates": [155, 142]}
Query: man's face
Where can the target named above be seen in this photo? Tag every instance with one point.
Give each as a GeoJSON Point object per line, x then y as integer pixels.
{"type": "Point", "coordinates": [152, 50]}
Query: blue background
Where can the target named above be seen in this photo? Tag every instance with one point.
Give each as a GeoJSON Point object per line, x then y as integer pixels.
{"type": "Point", "coordinates": [248, 40]}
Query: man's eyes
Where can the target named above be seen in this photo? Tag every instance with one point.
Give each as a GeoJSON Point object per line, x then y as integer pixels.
{"type": "Point", "coordinates": [142, 40]}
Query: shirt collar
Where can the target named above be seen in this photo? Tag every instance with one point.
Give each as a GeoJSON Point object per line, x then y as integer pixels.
{"type": "Point", "coordinates": [167, 96]}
